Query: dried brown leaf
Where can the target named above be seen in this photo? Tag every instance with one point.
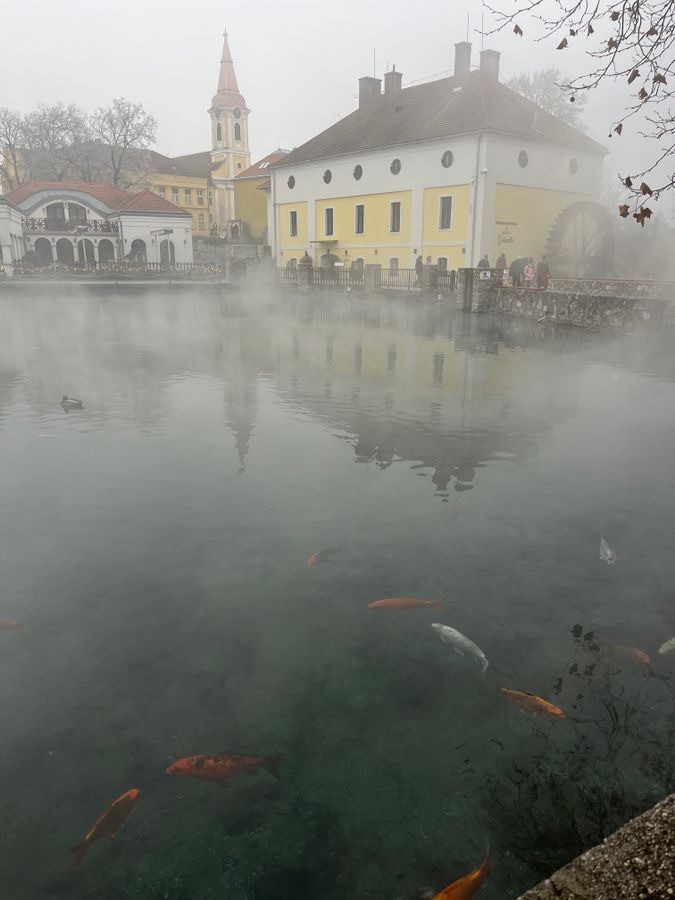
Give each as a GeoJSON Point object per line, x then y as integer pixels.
{"type": "Point", "coordinates": [623, 210]}
{"type": "Point", "coordinates": [660, 79]}
{"type": "Point", "coordinates": [633, 75]}
{"type": "Point", "coordinates": [653, 31]}
{"type": "Point", "coordinates": [562, 44]}
{"type": "Point", "coordinates": [518, 30]}
{"type": "Point", "coordinates": [619, 128]}
{"type": "Point", "coordinates": [645, 189]}
{"type": "Point", "coordinates": [612, 44]}
{"type": "Point", "coordinates": [590, 30]}
{"type": "Point", "coordinates": [643, 94]}
{"type": "Point", "coordinates": [628, 182]}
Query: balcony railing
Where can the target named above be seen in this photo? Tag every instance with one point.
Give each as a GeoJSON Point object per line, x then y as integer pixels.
{"type": "Point", "coordinates": [93, 226]}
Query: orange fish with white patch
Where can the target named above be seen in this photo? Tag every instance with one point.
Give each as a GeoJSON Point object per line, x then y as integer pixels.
{"type": "Point", "coordinates": [404, 603]}
{"type": "Point", "coordinates": [108, 824]}
{"type": "Point", "coordinates": [9, 625]}
{"type": "Point", "coordinates": [468, 885]}
{"type": "Point", "coordinates": [533, 704]}
{"type": "Point", "coordinates": [224, 766]}
{"type": "Point", "coordinates": [633, 653]}
{"type": "Point", "coordinates": [321, 554]}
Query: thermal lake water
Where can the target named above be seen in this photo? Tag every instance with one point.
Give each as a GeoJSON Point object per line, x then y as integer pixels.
{"type": "Point", "coordinates": [154, 547]}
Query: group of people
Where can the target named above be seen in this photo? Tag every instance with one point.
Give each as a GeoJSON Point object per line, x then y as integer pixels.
{"type": "Point", "coordinates": [522, 271]}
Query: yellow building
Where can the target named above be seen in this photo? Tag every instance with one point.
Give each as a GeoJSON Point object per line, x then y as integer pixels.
{"type": "Point", "coordinates": [184, 181]}
{"type": "Point", "coordinates": [450, 170]}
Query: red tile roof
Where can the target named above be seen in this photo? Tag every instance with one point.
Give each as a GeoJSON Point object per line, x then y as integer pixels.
{"type": "Point", "coordinates": [148, 201]}
{"type": "Point", "coordinates": [109, 194]}
{"type": "Point", "coordinates": [261, 167]}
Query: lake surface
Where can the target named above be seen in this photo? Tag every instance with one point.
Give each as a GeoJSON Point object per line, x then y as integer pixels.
{"type": "Point", "coordinates": [154, 548]}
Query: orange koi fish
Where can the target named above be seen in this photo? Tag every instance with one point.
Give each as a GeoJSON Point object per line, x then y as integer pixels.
{"type": "Point", "coordinates": [224, 766]}
{"type": "Point", "coordinates": [8, 624]}
{"type": "Point", "coordinates": [321, 554]}
{"type": "Point", "coordinates": [534, 704]}
{"type": "Point", "coordinates": [108, 824]}
{"type": "Point", "coordinates": [468, 885]}
{"type": "Point", "coordinates": [633, 653]}
{"type": "Point", "coordinates": [404, 603]}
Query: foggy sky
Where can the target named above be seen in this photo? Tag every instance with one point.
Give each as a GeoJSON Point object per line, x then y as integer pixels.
{"type": "Point", "coordinates": [297, 61]}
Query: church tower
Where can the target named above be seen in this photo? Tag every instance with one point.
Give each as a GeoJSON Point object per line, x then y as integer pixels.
{"type": "Point", "coordinates": [230, 152]}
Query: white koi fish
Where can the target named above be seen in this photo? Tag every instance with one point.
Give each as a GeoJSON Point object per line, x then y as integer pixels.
{"type": "Point", "coordinates": [606, 553]}
{"type": "Point", "coordinates": [461, 644]}
{"type": "Point", "coordinates": [668, 647]}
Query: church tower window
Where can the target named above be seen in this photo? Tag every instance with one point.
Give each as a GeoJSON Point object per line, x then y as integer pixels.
{"type": "Point", "coordinates": [237, 131]}
{"type": "Point", "coordinates": [219, 132]}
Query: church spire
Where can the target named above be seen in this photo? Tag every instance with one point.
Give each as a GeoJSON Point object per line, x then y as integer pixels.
{"type": "Point", "coordinates": [227, 80]}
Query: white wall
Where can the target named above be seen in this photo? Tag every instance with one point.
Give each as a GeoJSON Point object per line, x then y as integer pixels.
{"type": "Point", "coordinates": [141, 226]}
{"type": "Point", "coordinates": [11, 236]}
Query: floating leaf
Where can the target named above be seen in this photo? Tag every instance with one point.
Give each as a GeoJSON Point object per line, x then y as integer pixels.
{"type": "Point", "coordinates": [578, 630]}
{"type": "Point", "coordinates": [589, 635]}
{"type": "Point", "coordinates": [633, 75]}
{"type": "Point", "coordinates": [623, 210]}
{"type": "Point", "coordinates": [518, 30]}
{"type": "Point", "coordinates": [557, 685]}
{"type": "Point", "coordinates": [628, 182]}
{"type": "Point", "coordinates": [619, 128]}
{"type": "Point", "coordinates": [562, 44]}
{"type": "Point", "coordinates": [572, 669]}
{"type": "Point", "coordinates": [580, 697]}
{"type": "Point", "coordinates": [589, 669]}
{"type": "Point", "coordinates": [645, 189]}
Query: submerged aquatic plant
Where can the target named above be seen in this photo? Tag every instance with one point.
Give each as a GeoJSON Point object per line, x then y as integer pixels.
{"type": "Point", "coordinates": [564, 792]}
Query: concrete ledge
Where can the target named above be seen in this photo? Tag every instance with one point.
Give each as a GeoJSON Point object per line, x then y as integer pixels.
{"type": "Point", "coordinates": [636, 862]}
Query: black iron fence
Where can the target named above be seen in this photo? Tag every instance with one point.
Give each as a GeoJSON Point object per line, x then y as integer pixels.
{"type": "Point", "coordinates": [400, 279]}
{"type": "Point", "coordinates": [341, 276]}
{"type": "Point", "coordinates": [122, 267]}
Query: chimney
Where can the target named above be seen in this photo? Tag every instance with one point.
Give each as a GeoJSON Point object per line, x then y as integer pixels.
{"type": "Point", "coordinates": [393, 81]}
{"type": "Point", "coordinates": [369, 89]}
{"type": "Point", "coordinates": [489, 64]}
{"type": "Point", "coordinates": [462, 59]}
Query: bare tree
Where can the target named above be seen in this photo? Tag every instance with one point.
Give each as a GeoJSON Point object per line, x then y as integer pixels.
{"type": "Point", "coordinates": [52, 133]}
{"type": "Point", "coordinates": [546, 88]}
{"type": "Point", "coordinates": [629, 41]}
{"type": "Point", "coordinates": [127, 131]}
{"type": "Point", "coordinates": [13, 170]}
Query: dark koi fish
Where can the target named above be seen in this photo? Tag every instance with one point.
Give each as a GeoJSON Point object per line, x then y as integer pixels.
{"type": "Point", "coordinates": [466, 886]}
{"type": "Point", "coordinates": [404, 603]}
{"type": "Point", "coordinates": [108, 824]}
{"type": "Point", "coordinates": [533, 704]}
{"type": "Point", "coordinates": [633, 653]}
{"type": "Point", "coordinates": [9, 624]}
{"type": "Point", "coordinates": [224, 766]}
{"type": "Point", "coordinates": [321, 554]}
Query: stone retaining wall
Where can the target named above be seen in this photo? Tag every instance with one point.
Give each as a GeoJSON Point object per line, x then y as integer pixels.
{"type": "Point", "coordinates": [585, 310]}
{"type": "Point", "coordinates": [612, 287]}
{"type": "Point", "coordinates": [636, 862]}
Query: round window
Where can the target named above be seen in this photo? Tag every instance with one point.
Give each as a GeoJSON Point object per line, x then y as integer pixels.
{"type": "Point", "coordinates": [358, 172]}
{"type": "Point", "coordinates": [327, 176]}
{"type": "Point", "coordinates": [447, 159]}
{"type": "Point", "coordinates": [523, 159]}
{"type": "Point", "coordinates": [291, 181]}
{"type": "Point", "coordinates": [395, 166]}
{"type": "Point", "coordinates": [574, 166]}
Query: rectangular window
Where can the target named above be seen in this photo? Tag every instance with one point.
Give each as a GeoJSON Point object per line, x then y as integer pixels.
{"type": "Point", "coordinates": [188, 196]}
{"type": "Point", "coordinates": [395, 217]}
{"type": "Point", "coordinates": [161, 190]}
{"type": "Point", "coordinates": [174, 195]}
{"type": "Point", "coordinates": [293, 223]}
{"type": "Point", "coordinates": [393, 264]}
{"type": "Point", "coordinates": [201, 221]}
{"type": "Point", "coordinates": [200, 197]}
{"type": "Point", "coordinates": [328, 221]}
{"type": "Point", "coordinates": [445, 213]}
{"type": "Point", "coordinates": [359, 218]}
{"type": "Point", "coordinates": [442, 263]}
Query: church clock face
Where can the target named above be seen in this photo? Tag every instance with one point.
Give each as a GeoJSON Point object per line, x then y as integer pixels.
{"type": "Point", "coordinates": [237, 113]}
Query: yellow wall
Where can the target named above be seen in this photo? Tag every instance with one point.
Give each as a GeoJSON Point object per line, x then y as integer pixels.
{"type": "Point", "coordinates": [250, 203]}
{"type": "Point", "coordinates": [437, 242]}
{"type": "Point", "coordinates": [377, 244]}
{"type": "Point", "coordinates": [523, 219]}
{"type": "Point", "coordinates": [292, 246]}
{"type": "Point", "coordinates": [156, 180]}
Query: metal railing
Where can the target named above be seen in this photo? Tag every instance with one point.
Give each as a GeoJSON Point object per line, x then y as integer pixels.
{"type": "Point", "coordinates": [121, 267]}
{"type": "Point", "coordinates": [400, 279]}
{"type": "Point", "coordinates": [93, 226]}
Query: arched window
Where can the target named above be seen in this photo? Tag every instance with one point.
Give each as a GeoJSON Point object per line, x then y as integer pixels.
{"type": "Point", "coordinates": [138, 252]}
{"type": "Point", "coordinates": [106, 252]}
{"type": "Point", "coordinates": [237, 131]}
{"type": "Point", "coordinates": [219, 132]}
